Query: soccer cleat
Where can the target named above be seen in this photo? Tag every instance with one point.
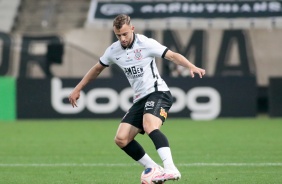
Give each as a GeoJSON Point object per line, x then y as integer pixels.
{"type": "Point", "coordinates": [167, 175]}
{"type": "Point", "coordinates": [160, 182]}
{"type": "Point", "coordinates": [161, 170]}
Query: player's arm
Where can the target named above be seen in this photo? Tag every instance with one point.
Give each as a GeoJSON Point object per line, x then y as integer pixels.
{"type": "Point", "coordinates": [181, 60]}
{"type": "Point", "coordinates": [92, 74]}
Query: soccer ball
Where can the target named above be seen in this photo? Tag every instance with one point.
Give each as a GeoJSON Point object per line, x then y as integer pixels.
{"type": "Point", "coordinates": [148, 174]}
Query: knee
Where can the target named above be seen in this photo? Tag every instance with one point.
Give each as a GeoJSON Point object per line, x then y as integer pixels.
{"type": "Point", "coordinates": [120, 141]}
{"type": "Point", "coordinates": [149, 127]}
{"type": "Point", "coordinates": [151, 122]}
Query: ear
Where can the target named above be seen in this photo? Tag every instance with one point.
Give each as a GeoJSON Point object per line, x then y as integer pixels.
{"type": "Point", "coordinates": [132, 28]}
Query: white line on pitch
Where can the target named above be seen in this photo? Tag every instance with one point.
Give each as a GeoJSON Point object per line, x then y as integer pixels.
{"type": "Point", "coordinates": [129, 165]}
{"type": "Point", "coordinates": [232, 164]}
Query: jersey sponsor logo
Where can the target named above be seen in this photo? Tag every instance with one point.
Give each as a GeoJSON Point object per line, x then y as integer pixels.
{"type": "Point", "coordinates": [138, 55]}
{"type": "Point", "coordinates": [118, 58]}
{"type": "Point", "coordinates": [133, 72]}
{"type": "Point", "coordinates": [163, 113]}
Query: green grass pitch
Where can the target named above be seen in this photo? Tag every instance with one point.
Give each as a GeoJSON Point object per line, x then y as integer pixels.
{"type": "Point", "coordinates": [222, 151]}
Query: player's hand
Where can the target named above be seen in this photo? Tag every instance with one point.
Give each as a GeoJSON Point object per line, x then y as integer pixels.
{"type": "Point", "coordinates": [73, 97]}
{"type": "Point", "coordinates": [201, 72]}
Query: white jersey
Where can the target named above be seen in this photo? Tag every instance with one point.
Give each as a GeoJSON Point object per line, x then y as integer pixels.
{"type": "Point", "coordinates": [138, 64]}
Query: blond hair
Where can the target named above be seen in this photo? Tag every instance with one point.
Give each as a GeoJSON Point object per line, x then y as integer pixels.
{"type": "Point", "coordinates": [120, 20]}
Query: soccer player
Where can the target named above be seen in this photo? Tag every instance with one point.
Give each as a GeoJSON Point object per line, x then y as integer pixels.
{"type": "Point", "coordinates": [135, 54]}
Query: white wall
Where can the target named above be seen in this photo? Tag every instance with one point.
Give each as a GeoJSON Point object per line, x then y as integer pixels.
{"type": "Point", "coordinates": [8, 12]}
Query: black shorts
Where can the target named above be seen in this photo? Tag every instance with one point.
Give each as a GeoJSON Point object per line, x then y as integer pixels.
{"type": "Point", "coordinates": [157, 103]}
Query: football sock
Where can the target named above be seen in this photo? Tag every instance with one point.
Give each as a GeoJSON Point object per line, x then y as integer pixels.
{"type": "Point", "coordinates": [159, 139]}
{"type": "Point", "coordinates": [165, 154]}
{"type": "Point", "coordinates": [162, 146]}
{"type": "Point", "coordinates": [134, 150]}
{"type": "Point", "coordinates": [147, 162]}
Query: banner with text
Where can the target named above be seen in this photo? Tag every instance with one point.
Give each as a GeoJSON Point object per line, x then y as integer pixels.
{"type": "Point", "coordinates": [200, 99]}
{"type": "Point", "coordinates": [193, 9]}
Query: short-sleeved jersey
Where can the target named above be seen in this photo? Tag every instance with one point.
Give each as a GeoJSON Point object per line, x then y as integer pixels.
{"type": "Point", "coordinates": [138, 64]}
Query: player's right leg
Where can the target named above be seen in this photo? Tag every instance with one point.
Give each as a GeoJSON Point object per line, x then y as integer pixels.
{"type": "Point", "coordinates": [125, 140]}
{"type": "Point", "coordinates": [130, 126]}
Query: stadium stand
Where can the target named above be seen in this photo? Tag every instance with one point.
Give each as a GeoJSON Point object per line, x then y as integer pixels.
{"type": "Point", "coordinates": [8, 12]}
{"type": "Point", "coordinates": [40, 16]}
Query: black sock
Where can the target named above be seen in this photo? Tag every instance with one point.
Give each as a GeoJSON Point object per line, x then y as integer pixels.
{"type": "Point", "coordinates": [159, 139]}
{"type": "Point", "coordinates": [134, 150]}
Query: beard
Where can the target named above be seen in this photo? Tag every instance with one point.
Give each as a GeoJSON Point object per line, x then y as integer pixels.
{"type": "Point", "coordinates": [125, 44]}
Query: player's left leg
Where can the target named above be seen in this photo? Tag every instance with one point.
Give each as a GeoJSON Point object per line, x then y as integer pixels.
{"type": "Point", "coordinates": [151, 125]}
{"type": "Point", "coordinates": [155, 113]}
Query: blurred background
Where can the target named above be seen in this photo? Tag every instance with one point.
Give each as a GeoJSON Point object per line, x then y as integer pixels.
{"type": "Point", "coordinates": [46, 47]}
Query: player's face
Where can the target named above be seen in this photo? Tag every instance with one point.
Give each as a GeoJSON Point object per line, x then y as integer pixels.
{"type": "Point", "coordinates": [124, 34]}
